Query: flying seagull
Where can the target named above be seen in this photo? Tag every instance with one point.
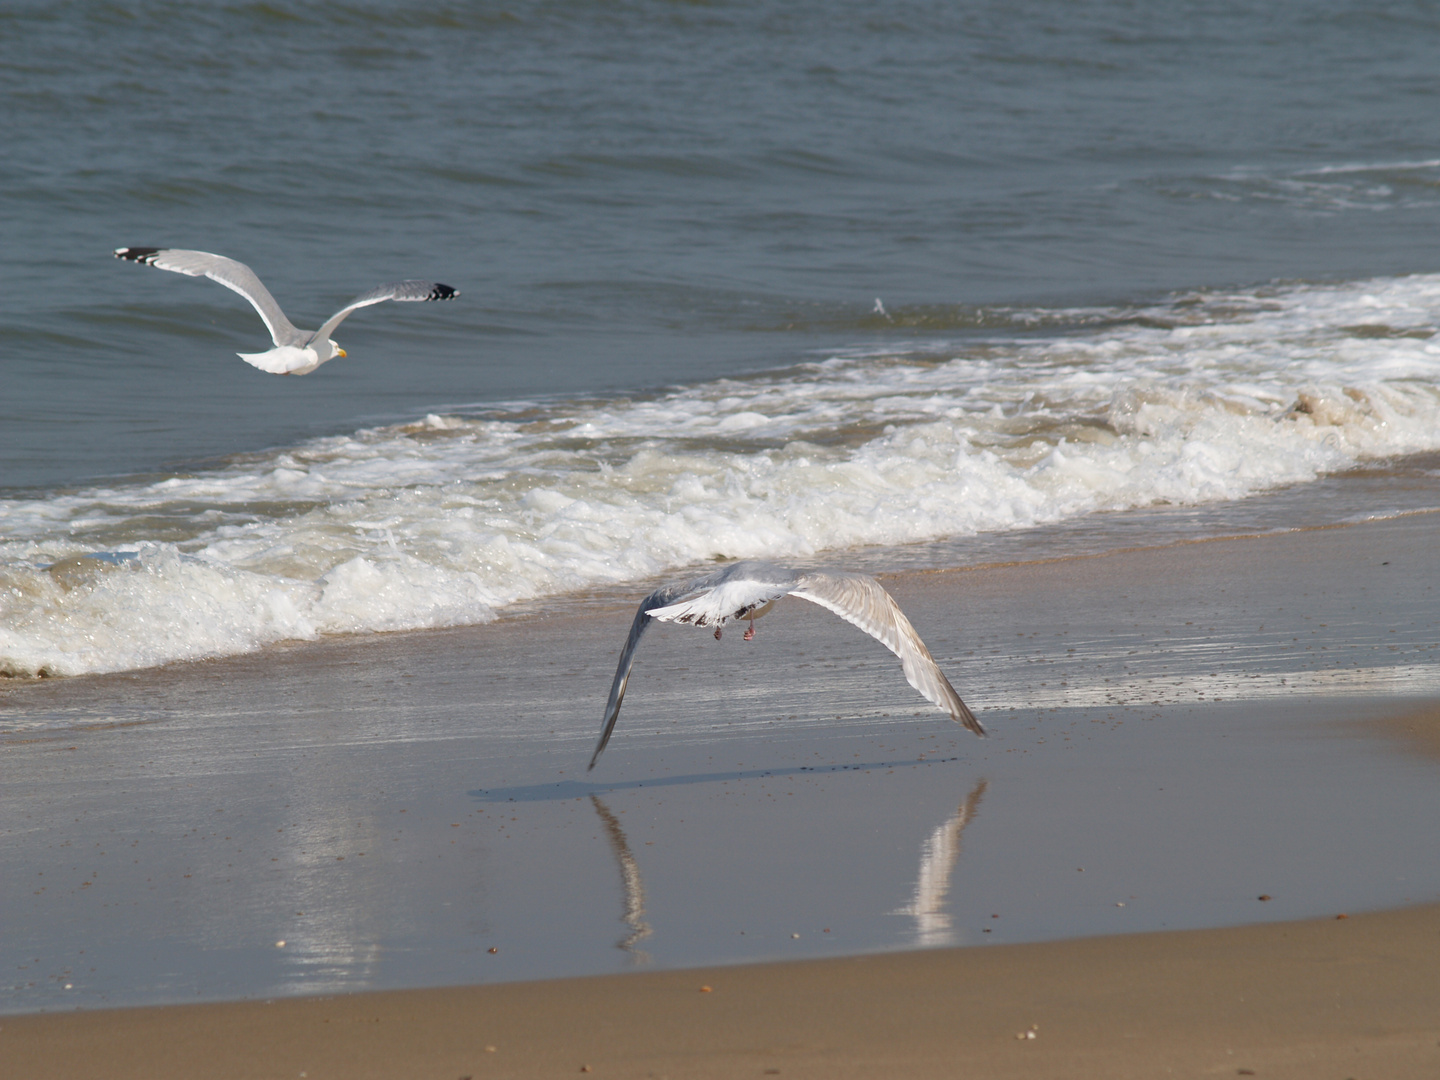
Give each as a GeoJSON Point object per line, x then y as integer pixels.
{"type": "Point", "coordinates": [296, 352]}
{"type": "Point", "coordinates": [747, 590]}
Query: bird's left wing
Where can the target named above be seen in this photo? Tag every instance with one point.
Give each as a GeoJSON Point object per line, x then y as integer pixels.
{"type": "Point", "coordinates": [658, 598]}
{"type": "Point", "coordinates": [863, 602]}
{"type": "Point", "coordinates": [714, 597]}
{"type": "Point", "coordinates": [394, 290]}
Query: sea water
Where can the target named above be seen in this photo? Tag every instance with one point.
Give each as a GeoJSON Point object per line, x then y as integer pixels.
{"type": "Point", "coordinates": [792, 281]}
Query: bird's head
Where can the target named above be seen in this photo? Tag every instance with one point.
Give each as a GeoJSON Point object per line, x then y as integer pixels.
{"type": "Point", "coordinates": [335, 350]}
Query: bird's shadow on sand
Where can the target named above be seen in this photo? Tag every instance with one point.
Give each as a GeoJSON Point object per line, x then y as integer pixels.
{"type": "Point", "coordinates": [577, 789]}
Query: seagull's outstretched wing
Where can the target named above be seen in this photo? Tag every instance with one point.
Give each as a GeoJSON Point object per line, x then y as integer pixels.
{"type": "Point", "coordinates": [658, 598]}
{"type": "Point", "coordinates": [233, 275]}
{"type": "Point", "coordinates": [713, 598]}
{"type": "Point", "coordinates": [741, 588]}
{"type": "Point", "coordinates": [394, 290]}
{"type": "Point", "coordinates": [863, 602]}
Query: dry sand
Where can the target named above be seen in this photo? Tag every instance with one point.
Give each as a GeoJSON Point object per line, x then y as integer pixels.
{"type": "Point", "coordinates": [1353, 997]}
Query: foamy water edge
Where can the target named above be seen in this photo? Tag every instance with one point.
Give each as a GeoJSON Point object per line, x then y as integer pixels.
{"type": "Point", "coordinates": [450, 519]}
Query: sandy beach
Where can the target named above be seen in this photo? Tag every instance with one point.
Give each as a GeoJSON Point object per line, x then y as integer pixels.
{"type": "Point", "coordinates": [1339, 997]}
{"type": "Point", "coordinates": [1177, 733]}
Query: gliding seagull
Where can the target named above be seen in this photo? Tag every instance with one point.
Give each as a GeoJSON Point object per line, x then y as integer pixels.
{"type": "Point", "coordinates": [296, 352]}
{"type": "Point", "coordinates": [747, 590]}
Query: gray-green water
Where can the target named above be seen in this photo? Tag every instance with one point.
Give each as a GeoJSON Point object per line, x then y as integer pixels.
{"type": "Point", "coordinates": [636, 194]}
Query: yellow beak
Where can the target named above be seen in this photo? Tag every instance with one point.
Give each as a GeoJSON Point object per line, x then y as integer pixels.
{"type": "Point", "coordinates": [339, 350]}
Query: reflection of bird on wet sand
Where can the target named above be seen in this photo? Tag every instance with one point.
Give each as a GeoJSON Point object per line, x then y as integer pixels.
{"type": "Point", "coordinates": [938, 856]}
{"type": "Point", "coordinates": [634, 916]}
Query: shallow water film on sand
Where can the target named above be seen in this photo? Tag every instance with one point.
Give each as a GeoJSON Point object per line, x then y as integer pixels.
{"type": "Point", "coordinates": [1175, 732]}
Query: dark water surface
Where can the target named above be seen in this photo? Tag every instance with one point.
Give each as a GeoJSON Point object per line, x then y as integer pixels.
{"type": "Point", "coordinates": [636, 194]}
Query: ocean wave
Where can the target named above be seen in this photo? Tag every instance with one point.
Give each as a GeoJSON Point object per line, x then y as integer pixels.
{"type": "Point", "coordinates": [447, 520]}
{"type": "Point", "coordinates": [1377, 186]}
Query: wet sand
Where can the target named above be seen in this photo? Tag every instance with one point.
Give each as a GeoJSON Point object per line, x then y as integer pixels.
{"type": "Point", "coordinates": [1176, 732]}
{"type": "Point", "coordinates": [1352, 997]}
{"type": "Point", "coordinates": [1418, 728]}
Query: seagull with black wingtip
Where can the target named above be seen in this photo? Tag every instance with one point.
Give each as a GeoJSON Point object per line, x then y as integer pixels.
{"type": "Point", "coordinates": [747, 590]}
{"type": "Point", "coordinates": [296, 352]}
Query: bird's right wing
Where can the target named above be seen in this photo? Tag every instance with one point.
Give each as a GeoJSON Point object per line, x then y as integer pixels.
{"type": "Point", "coordinates": [235, 276]}
{"type": "Point", "coordinates": [862, 601]}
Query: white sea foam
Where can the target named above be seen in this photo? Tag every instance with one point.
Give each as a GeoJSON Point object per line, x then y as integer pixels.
{"type": "Point", "coordinates": [1387, 166]}
{"type": "Point", "coordinates": [447, 520]}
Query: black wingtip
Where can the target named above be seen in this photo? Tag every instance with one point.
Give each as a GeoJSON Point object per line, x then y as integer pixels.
{"type": "Point", "coordinates": [140, 255]}
{"type": "Point", "coordinates": [971, 723]}
{"type": "Point", "coordinates": [600, 747]}
{"type": "Point", "coordinates": [442, 292]}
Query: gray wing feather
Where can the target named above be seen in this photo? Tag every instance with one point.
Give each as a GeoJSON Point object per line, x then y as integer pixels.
{"type": "Point", "coordinates": [235, 276]}
{"type": "Point", "coordinates": [863, 602]}
{"type": "Point", "coordinates": [659, 598]}
{"type": "Point", "coordinates": [665, 597]}
{"type": "Point", "coordinates": [395, 290]}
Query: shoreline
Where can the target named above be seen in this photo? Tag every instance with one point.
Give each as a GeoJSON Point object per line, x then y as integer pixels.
{"type": "Point", "coordinates": [605, 602]}
{"type": "Point", "coordinates": [1350, 995]}
{"type": "Point", "coordinates": [1404, 487]}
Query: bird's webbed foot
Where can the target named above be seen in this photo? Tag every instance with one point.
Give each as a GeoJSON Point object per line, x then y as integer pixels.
{"type": "Point", "coordinates": [717, 633]}
{"type": "Point", "coordinates": [749, 634]}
